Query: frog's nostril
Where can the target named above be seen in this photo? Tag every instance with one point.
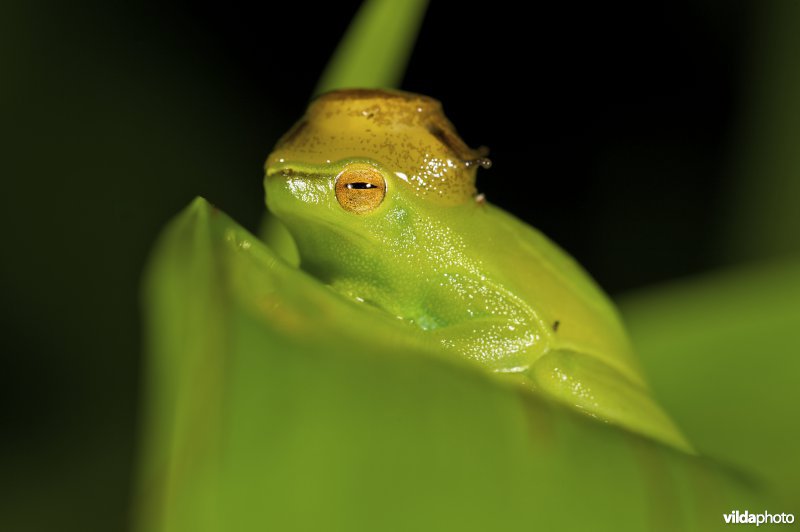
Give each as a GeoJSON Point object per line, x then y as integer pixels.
{"type": "Point", "coordinates": [282, 173]}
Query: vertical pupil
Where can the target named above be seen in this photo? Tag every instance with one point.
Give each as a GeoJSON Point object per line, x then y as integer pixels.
{"type": "Point", "coordinates": [360, 186]}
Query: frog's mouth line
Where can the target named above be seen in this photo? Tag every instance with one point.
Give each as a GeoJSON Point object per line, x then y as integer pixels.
{"type": "Point", "coordinates": [333, 227]}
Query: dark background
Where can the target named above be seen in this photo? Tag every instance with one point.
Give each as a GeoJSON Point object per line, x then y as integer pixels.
{"type": "Point", "coordinates": [616, 128]}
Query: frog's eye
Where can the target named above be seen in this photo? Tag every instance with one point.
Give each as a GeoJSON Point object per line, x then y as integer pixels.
{"type": "Point", "coordinates": [360, 188]}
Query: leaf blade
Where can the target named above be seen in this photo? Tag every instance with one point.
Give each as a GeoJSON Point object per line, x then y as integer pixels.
{"type": "Point", "coordinates": [312, 401]}
{"type": "Point", "coordinates": [375, 50]}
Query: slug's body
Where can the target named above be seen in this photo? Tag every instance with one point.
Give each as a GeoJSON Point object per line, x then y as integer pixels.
{"type": "Point", "coordinates": [377, 190]}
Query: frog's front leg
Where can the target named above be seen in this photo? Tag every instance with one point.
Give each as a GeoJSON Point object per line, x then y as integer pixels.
{"type": "Point", "coordinates": [590, 385]}
{"type": "Point", "coordinates": [504, 345]}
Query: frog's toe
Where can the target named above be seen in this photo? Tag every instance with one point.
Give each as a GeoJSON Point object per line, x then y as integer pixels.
{"type": "Point", "coordinates": [591, 386]}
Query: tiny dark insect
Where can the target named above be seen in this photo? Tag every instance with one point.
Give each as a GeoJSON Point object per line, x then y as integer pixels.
{"type": "Point", "coordinates": [555, 325]}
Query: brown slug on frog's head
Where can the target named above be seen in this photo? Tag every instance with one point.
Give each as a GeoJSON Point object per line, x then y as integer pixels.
{"type": "Point", "coordinates": [408, 133]}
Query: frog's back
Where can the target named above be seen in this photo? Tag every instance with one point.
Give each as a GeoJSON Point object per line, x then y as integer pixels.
{"type": "Point", "coordinates": [576, 314]}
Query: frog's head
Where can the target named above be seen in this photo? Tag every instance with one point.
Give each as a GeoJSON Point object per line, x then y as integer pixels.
{"type": "Point", "coordinates": [361, 164]}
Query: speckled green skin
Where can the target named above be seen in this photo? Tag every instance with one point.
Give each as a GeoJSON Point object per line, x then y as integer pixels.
{"type": "Point", "coordinates": [472, 278]}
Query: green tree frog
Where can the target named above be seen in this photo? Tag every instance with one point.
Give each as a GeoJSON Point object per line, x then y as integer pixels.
{"type": "Point", "coordinates": [378, 192]}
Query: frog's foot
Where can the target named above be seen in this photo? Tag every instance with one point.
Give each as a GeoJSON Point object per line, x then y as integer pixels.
{"type": "Point", "coordinates": [591, 386]}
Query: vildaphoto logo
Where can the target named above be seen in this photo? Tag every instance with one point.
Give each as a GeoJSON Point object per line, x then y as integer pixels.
{"type": "Point", "coordinates": [765, 518]}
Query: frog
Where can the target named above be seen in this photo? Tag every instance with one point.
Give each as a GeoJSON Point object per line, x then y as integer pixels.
{"type": "Point", "coordinates": [378, 192]}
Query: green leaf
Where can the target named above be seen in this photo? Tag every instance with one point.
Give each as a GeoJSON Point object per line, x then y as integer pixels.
{"type": "Point", "coordinates": [722, 351]}
{"type": "Point", "coordinates": [275, 404]}
{"type": "Point", "coordinates": [376, 47]}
